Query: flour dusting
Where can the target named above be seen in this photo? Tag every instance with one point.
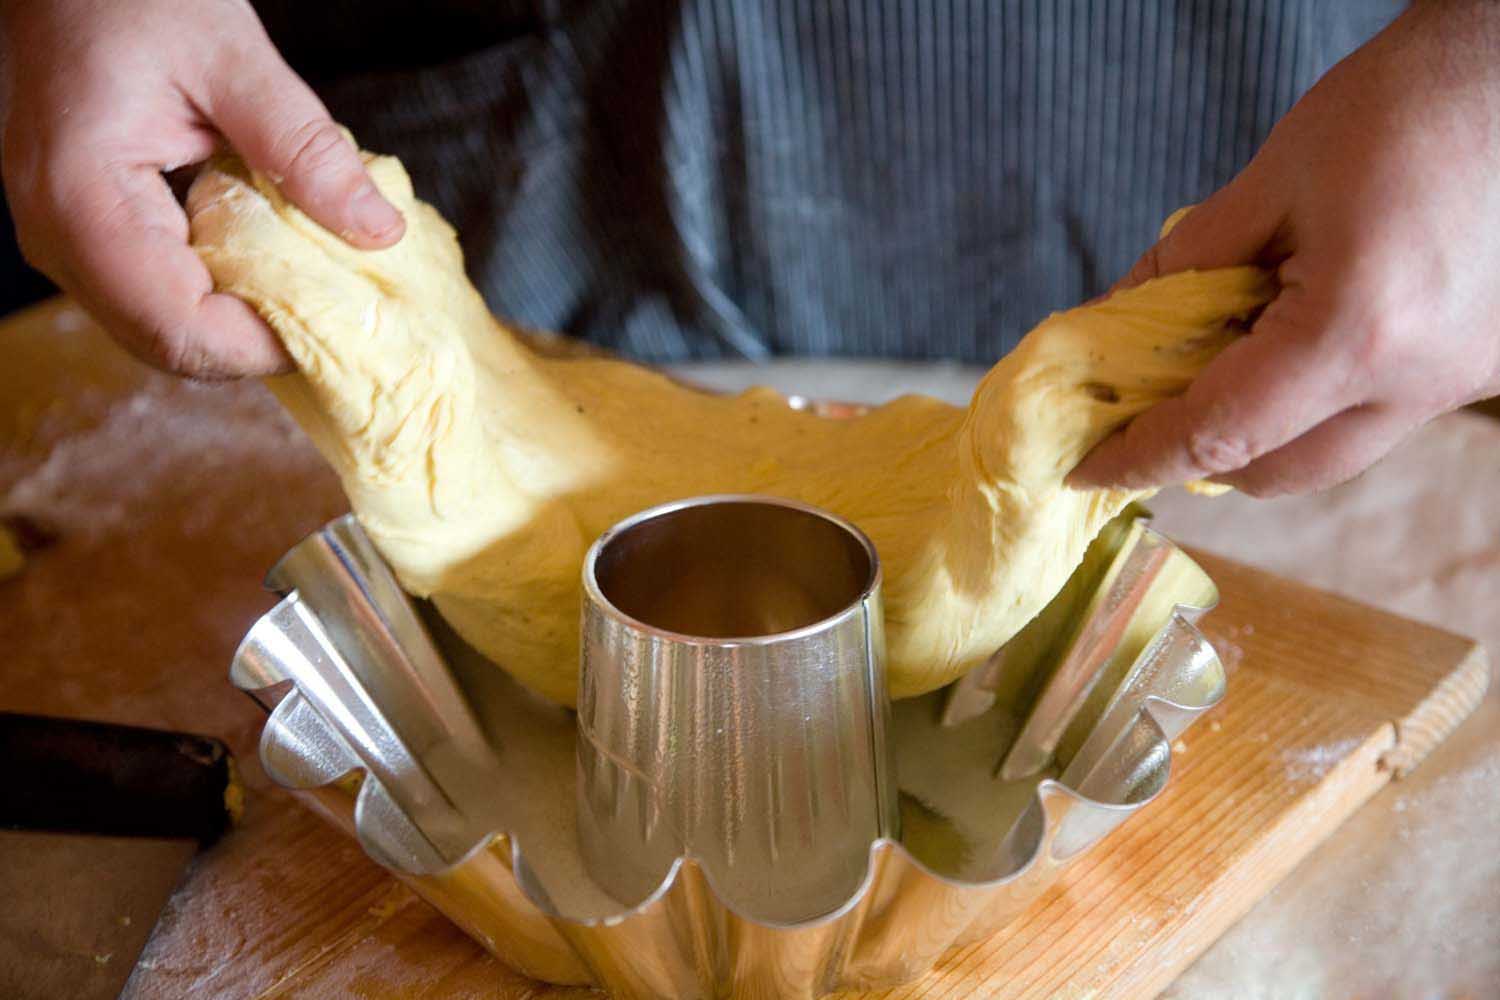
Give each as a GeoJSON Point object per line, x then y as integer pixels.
{"type": "Point", "coordinates": [1311, 763]}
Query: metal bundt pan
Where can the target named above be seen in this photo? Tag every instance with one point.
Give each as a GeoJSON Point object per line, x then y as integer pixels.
{"type": "Point", "coordinates": [462, 783]}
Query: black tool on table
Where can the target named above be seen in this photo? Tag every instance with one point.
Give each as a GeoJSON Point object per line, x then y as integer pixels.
{"type": "Point", "coordinates": [97, 824]}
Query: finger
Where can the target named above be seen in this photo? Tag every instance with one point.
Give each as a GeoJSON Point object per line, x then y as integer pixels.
{"type": "Point", "coordinates": [124, 256]}
{"type": "Point", "coordinates": [1262, 391]}
{"type": "Point", "coordinates": [279, 126]}
{"type": "Point", "coordinates": [1234, 225]}
{"type": "Point", "coordinates": [1331, 453]}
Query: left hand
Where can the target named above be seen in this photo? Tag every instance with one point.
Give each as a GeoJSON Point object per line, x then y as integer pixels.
{"type": "Point", "coordinates": [104, 98]}
{"type": "Point", "coordinates": [1377, 199]}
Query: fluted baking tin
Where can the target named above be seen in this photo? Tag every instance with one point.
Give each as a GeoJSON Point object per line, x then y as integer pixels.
{"type": "Point", "coordinates": [464, 785]}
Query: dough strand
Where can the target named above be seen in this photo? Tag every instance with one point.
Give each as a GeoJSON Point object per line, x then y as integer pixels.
{"type": "Point", "coordinates": [483, 472]}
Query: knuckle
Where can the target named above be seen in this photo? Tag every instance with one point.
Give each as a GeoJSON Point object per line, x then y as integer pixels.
{"type": "Point", "coordinates": [1371, 332]}
{"type": "Point", "coordinates": [312, 148]}
{"type": "Point", "coordinates": [1377, 345]}
{"type": "Point", "coordinates": [1213, 452]}
{"type": "Point", "coordinates": [170, 347]}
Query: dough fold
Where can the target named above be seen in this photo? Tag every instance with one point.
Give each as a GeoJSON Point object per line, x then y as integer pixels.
{"type": "Point", "coordinates": [483, 472]}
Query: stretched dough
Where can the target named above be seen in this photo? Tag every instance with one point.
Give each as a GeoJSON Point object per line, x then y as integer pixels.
{"type": "Point", "coordinates": [483, 472]}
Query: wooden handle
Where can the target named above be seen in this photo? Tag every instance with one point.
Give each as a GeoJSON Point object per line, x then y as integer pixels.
{"type": "Point", "coordinates": [92, 777]}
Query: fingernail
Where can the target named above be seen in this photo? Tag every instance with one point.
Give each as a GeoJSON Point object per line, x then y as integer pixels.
{"type": "Point", "coordinates": [373, 215]}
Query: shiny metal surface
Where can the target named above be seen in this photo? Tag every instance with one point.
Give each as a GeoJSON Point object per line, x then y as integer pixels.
{"type": "Point", "coordinates": [385, 697]}
{"type": "Point", "coordinates": [732, 706]}
{"type": "Point", "coordinates": [370, 691]}
{"type": "Point", "coordinates": [1103, 641]}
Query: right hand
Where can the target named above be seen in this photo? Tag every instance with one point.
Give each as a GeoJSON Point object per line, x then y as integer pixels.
{"type": "Point", "coordinates": [1375, 199]}
{"type": "Point", "coordinates": [104, 97]}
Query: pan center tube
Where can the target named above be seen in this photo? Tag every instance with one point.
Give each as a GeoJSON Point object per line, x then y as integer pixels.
{"type": "Point", "coordinates": [732, 705]}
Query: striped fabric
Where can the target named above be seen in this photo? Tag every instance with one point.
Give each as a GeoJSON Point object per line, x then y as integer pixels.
{"type": "Point", "coordinates": [907, 178]}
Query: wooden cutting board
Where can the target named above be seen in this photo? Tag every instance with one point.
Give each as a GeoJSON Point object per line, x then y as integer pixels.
{"type": "Point", "coordinates": [1328, 701]}
{"type": "Point", "coordinates": [169, 500]}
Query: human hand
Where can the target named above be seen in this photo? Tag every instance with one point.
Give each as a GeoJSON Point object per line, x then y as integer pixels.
{"type": "Point", "coordinates": [1377, 199]}
{"type": "Point", "coordinates": [103, 97]}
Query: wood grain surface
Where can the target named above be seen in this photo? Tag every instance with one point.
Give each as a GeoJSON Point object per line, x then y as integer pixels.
{"type": "Point", "coordinates": [170, 499]}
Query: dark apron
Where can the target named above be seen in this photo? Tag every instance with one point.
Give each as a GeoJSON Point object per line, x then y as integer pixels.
{"type": "Point", "coordinates": [907, 178]}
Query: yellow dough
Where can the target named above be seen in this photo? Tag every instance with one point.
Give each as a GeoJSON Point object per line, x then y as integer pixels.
{"type": "Point", "coordinates": [483, 472]}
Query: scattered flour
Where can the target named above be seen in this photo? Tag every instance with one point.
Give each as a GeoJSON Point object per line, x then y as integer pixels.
{"type": "Point", "coordinates": [1311, 763]}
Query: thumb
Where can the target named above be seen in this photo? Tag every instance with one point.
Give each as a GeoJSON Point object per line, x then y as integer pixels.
{"type": "Point", "coordinates": [279, 126]}
{"type": "Point", "coordinates": [1234, 225]}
